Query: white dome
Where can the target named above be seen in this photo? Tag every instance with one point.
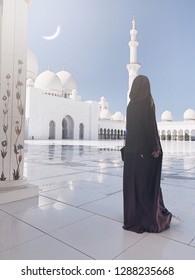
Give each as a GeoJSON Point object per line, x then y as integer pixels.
{"type": "Point", "coordinates": [68, 82]}
{"type": "Point", "coordinates": [32, 65]}
{"type": "Point", "coordinates": [48, 81]}
{"type": "Point", "coordinates": [166, 116]}
{"type": "Point", "coordinates": [118, 116]}
{"type": "Point", "coordinates": [105, 114]}
{"type": "Point", "coordinates": [189, 114]}
{"type": "Point", "coordinates": [102, 99]}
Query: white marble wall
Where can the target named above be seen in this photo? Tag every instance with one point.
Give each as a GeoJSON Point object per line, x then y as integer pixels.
{"type": "Point", "coordinates": [43, 108]}
{"type": "Point", "coordinates": [176, 128]}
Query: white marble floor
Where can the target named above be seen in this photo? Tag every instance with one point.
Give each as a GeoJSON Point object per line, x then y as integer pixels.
{"type": "Point", "coordinates": [78, 214]}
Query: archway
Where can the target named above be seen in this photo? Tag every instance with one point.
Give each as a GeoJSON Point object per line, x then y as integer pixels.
{"type": "Point", "coordinates": [52, 130]}
{"type": "Point", "coordinates": [169, 135]}
{"type": "Point", "coordinates": [81, 131]}
{"type": "Point", "coordinates": [193, 135]}
{"type": "Point", "coordinates": [67, 128]}
{"type": "Point", "coordinates": [174, 135]}
{"type": "Point", "coordinates": [180, 135]}
{"type": "Point", "coordinates": [163, 135]}
{"type": "Point", "coordinates": [104, 133]}
{"type": "Point", "coordinates": [187, 135]}
{"type": "Point", "coordinates": [101, 134]}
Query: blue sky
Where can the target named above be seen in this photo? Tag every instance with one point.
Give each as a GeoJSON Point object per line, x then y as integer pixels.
{"type": "Point", "coordinates": [93, 47]}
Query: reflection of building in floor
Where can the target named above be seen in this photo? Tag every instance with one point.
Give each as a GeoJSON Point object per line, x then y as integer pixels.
{"type": "Point", "coordinates": [54, 110]}
{"type": "Point", "coordinates": [177, 130]}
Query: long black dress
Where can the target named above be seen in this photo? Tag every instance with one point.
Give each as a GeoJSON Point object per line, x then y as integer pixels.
{"type": "Point", "coordinates": [144, 209]}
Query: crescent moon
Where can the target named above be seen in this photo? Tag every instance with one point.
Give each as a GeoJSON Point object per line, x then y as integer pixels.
{"type": "Point", "coordinates": [53, 36]}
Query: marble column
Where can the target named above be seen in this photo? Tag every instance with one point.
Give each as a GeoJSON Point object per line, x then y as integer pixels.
{"type": "Point", "coordinates": [13, 56]}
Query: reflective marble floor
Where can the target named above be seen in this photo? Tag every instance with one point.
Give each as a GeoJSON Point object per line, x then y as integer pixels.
{"type": "Point", "coordinates": [78, 214]}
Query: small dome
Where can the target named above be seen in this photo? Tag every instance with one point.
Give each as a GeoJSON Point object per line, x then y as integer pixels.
{"type": "Point", "coordinates": [118, 116]}
{"type": "Point", "coordinates": [189, 114]}
{"type": "Point", "coordinates": [68, 82]}
{"type": "Point", "coordinates": [105, 114]}
{"type": "Point", "coordinates": [48, 81]}
{"type": "Point", "coordinates": [166, 116]}
{"type": "Point", "coordinates": [102, 99]}
{"type": "Point", "coordinates": [32, 65]}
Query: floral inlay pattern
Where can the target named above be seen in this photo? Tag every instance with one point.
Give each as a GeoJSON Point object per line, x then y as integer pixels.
{"type": "Point", "coordinates": [4, 143]}
{"type": "Point", "coordinates": [17, 147]}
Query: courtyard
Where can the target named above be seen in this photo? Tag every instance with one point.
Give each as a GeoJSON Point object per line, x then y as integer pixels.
{"type": "Point", "coordinates": [78, 214]}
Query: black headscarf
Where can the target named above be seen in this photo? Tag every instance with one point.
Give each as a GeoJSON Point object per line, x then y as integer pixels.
{"type": "Point", "coordinates": [140, 89]}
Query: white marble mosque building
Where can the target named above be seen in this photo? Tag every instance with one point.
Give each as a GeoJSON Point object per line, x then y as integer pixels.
{"type": "Point", "coordinates": [177, 130]}
{"type": "Point", "coordinates": [61, 117]}
{"type": "Point", "coordinates": [64, 114]}
{"type": "Point", "coordinates": [54, 110]}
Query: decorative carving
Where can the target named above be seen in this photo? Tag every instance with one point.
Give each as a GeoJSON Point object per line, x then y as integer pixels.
{"type": "Point", "coordinates": [4, 143]}
{"type": "Point", "coordinates": [19, 123]}
{"type": "Point", "coordinates": [18, 148]}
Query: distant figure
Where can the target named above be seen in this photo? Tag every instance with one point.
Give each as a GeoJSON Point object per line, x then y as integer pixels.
{"type": "Point", "coordinates": [144, 209]}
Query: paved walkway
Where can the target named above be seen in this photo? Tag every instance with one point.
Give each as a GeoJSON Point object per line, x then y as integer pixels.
{"type": "Point", "coordinates": [78, 214]}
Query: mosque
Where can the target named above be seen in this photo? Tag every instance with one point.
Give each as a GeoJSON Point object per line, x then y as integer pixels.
{"type": "Point", "coordinates": [66, 116]}
{"type": "Point", "coordinates": [48, 106]}
{"type": "Point", "coordinates": [177, 130]}
{"type": "Point", "coordinates": [54, 110]}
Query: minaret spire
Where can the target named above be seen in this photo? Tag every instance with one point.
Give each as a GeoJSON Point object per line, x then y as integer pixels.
{"type": "Point", "coordinates": [133, 22]}
{"type": "Point", "coordinates": [133, 66]}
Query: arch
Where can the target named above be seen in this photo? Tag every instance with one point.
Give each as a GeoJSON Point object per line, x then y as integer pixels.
{"type": "Point", "coordinates": [187, 135]}
{"type": "Point", "coordinates": [115, 134]}
{"type": "Point", "coordinates": [108, 133]}
{"type": "Point", "coordinates": [180, 135]}
{"type": "Point", "coordinates": [111, 134]}
{"type": "Point", "coordinates": [163, 135]}
{"type": "Point", "coordinates": [101, 134]}
{"type": "Point", "coordinates": [52, 130]}
{"type": "Point", "coordinates": [169, 135]}
{"type": "Point", "coordinates": [174, 135]}
{"type": "Point", "coordinates": [193, 135]}
{"type": "Point", "coordinates": [104, 133]}
{"type": "Point", "coordinates": [67, 128]}
{"type": "Point", "coordinates": [81, 131]}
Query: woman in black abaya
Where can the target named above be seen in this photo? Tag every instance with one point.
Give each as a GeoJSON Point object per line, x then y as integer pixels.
{"type": "Point", "coordinates": [144, 209]}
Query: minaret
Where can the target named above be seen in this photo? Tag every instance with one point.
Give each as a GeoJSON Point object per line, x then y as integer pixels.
{"type": "Point", "coordinates": [133, 66]}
